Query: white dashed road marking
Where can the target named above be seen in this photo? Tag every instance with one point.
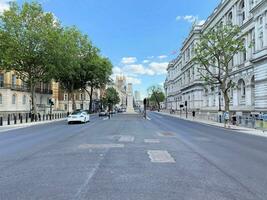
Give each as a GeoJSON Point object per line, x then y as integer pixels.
{"type": "Point", "coordinates": [126, 138]}
{"type": "Point", "coordinates": [158, 156]}
{"type": "Point", "coordinates": [100, 146]}
{"type": "Point", "coordinates": [151, 141]}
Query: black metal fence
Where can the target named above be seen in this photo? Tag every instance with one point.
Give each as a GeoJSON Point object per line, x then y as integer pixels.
{"type": "Point", "coordinates": [21, 118]}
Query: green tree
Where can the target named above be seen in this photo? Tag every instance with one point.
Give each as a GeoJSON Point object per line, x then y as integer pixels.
{"type": "Point", "coordinates": [214, 54]}
{"type": "Point", "coordinates": [28, 36]}
{"type": "Point", "coordinates": [156, 95]}
{"type": "Point", "coordinates": [111, 98]}
{"type": "Point", "coordinates": [68, 58]}
{"type": "Point", "coordinates": [99, 76]}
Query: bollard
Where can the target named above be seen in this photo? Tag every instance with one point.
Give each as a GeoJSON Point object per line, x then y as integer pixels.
{"type": "Point", "coordinates": [46, 116]}
{"type": "Point", "coordinates": [21, 119]}
{"type": "Point", "coordinates": [8, 119]}
{"type": "Point", "coordinates": [15, 119]}
{"type": "Point", "coordinates": [43, 117]}
{"type": "Point", "coordinates": [1, 121]}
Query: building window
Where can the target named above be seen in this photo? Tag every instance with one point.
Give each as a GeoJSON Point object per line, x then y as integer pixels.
{"type": "Point", "coordinates": [13, 81]}
{"type": "Point", "coordinates": [1, 99]}
{"type": "Point", "coordinates": [1, 80]}
{"type": "Point", "coordinates": [230, 18]}
{"type": "Point", "coordinates": [242, 12]}
{"type": "Point", "coordinates": [261, 40]}
{"type": "Point", "coordinates": [65, 97]}
{"type": "Point", "coordinates": [14, 99]}
{"type": "Point", "coordinates": [24, 99]}
{"type": "Point", "coordinates": [245, 51]}
{"type": "Point", "coordinates": [41, 99]}
{"type": "Point", "coordinates": [81, 96]}
{"type": "Point", "coordinates": [65, 106]}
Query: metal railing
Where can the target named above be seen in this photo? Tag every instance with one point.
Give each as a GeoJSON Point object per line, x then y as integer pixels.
{"type": "Point", "coordinates": [23, 88]}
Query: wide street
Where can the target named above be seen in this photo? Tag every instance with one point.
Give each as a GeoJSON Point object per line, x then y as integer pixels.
{"type": "Point", "coordinates": [130, 158]}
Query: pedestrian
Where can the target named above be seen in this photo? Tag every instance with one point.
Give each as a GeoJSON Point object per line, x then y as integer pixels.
{"type": "Point", "coordinates": [194, 114]}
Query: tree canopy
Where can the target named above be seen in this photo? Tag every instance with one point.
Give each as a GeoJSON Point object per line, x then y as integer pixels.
{"type": "Point", "coordinates": [156, 95]}
{"type": "Point", "coordinates": [37, 48]}
{"type": "Point", "coordinates": [111, 98]}
{"type": "Point", "coordinates": [27, 39]}
{"type": "Point", "coordinates": [214, 54]}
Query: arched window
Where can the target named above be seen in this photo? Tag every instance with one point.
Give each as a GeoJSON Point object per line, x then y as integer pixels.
{"type": "Point", "coordinates": [242, 12]}
{"type": "Point", "coordinates": [1, 99]}
{"type": "Point", "coordinates": [14, 99]}
{"type": "Point", "coordinates": [24, 99]}
{"type": "Point", "coordinates": [230, 18]}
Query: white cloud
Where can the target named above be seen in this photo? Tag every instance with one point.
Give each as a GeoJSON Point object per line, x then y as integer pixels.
{"type": "Point", "coordinates": [162, 57]}
{"type": "Point", "coordinates": [190, 19]}
{"type": "Point", "coordinates": [4, 5]}
{"type": "Point", "coordinates": [134, 81]}
{"type": "Point", "coordinates": [116, 70]}
{"type": "Point", "coordinates": [128, 60]}
{"type": "Point", "coordinates": [146, 61]}
{"type": "Point", "coordinates": [159, 68]}
{"type": "Point", "coordinates": [138, 69]}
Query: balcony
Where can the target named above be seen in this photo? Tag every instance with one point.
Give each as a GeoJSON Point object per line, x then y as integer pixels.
{"type": "Point", "coordinates": [23, 88]}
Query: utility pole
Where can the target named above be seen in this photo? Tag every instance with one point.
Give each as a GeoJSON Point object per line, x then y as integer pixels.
{"type": "Point", "coordinates": [185, 103]}
{"type": "Point", "coordinates": [145, 103]}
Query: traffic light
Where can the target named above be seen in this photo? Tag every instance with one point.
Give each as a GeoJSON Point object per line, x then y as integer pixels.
{"type": "Point", "coordinates": [145, 102]}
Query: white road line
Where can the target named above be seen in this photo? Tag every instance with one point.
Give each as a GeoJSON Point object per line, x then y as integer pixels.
{"type": "Point", "coordinates": [126, 138]}
{"type": "Point", "coordinates": [158, 156]}
{"type": "Point", "coordinates": [153, 141]}
{"type": "Point", "coordinates": [148, 118]}
{"type": "Point", "coordinates": [100, 146]}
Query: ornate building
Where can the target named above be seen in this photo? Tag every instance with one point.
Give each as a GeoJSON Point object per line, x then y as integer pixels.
{"type": "Point", "coordinates": [249, 68]}
{"type": "Point", "coordinates": [15, 95]}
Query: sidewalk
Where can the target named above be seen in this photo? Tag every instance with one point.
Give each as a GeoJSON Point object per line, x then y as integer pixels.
{"type": "Point", "coordinates": [221, 125]}
{"type": "Point", "coordinates": [25, 125]}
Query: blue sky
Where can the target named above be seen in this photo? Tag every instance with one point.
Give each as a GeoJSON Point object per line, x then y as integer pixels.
{"type": "Point", "coordinates": [139, 36]}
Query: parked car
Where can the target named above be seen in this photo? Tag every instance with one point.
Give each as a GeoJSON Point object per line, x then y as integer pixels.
{"type": "Point", "coordinates": [103, 114]}
{"type": "Point", "coordinates": [112, 112]}
{"type": "Point", "coordinates": [79, 116]}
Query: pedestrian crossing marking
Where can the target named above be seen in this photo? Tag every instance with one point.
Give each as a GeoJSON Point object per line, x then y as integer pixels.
{"type": "Point", "coordinates": [159, 156]}
{"type": "Point", "coordinates": [153, 141]}
{"type": "Point", "coordinates": [126, 138]}
{"type": "Point", "coordinates": [100, 146]}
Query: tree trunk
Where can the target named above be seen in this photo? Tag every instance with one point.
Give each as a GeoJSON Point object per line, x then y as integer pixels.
{"type": "Point", "coordinates": [90, 93]}
{"type": "Point", "coordinates": [33, 102]}
{"type": "Point", "coordinates": [226, 101]}
{"type": "Point", "coordinates": [91, 99]}
{"type": "Point", "coordinates": [73, 101]}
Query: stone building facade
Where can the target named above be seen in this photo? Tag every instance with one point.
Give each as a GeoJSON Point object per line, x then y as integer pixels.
{"type": "Point", "coordinates": [15, 95]}
{"type": "Point", "coordinates": [249, 72]}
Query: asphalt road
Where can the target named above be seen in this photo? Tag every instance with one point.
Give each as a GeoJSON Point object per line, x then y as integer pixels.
{"type": "Point", "coordinates": [129, 158]}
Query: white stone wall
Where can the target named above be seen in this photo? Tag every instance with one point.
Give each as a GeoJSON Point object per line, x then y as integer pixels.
{"type": "Point", "coordinates": [182, 78]}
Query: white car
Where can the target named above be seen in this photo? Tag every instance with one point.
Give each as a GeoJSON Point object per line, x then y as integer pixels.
{"type": "Point", "coordinates": [79, 116]}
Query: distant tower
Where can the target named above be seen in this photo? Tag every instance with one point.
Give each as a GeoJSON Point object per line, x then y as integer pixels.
{"type": "Point", "coordinates": [121, 82]}
{"type": "Point", "coordinates": [137, 96]}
